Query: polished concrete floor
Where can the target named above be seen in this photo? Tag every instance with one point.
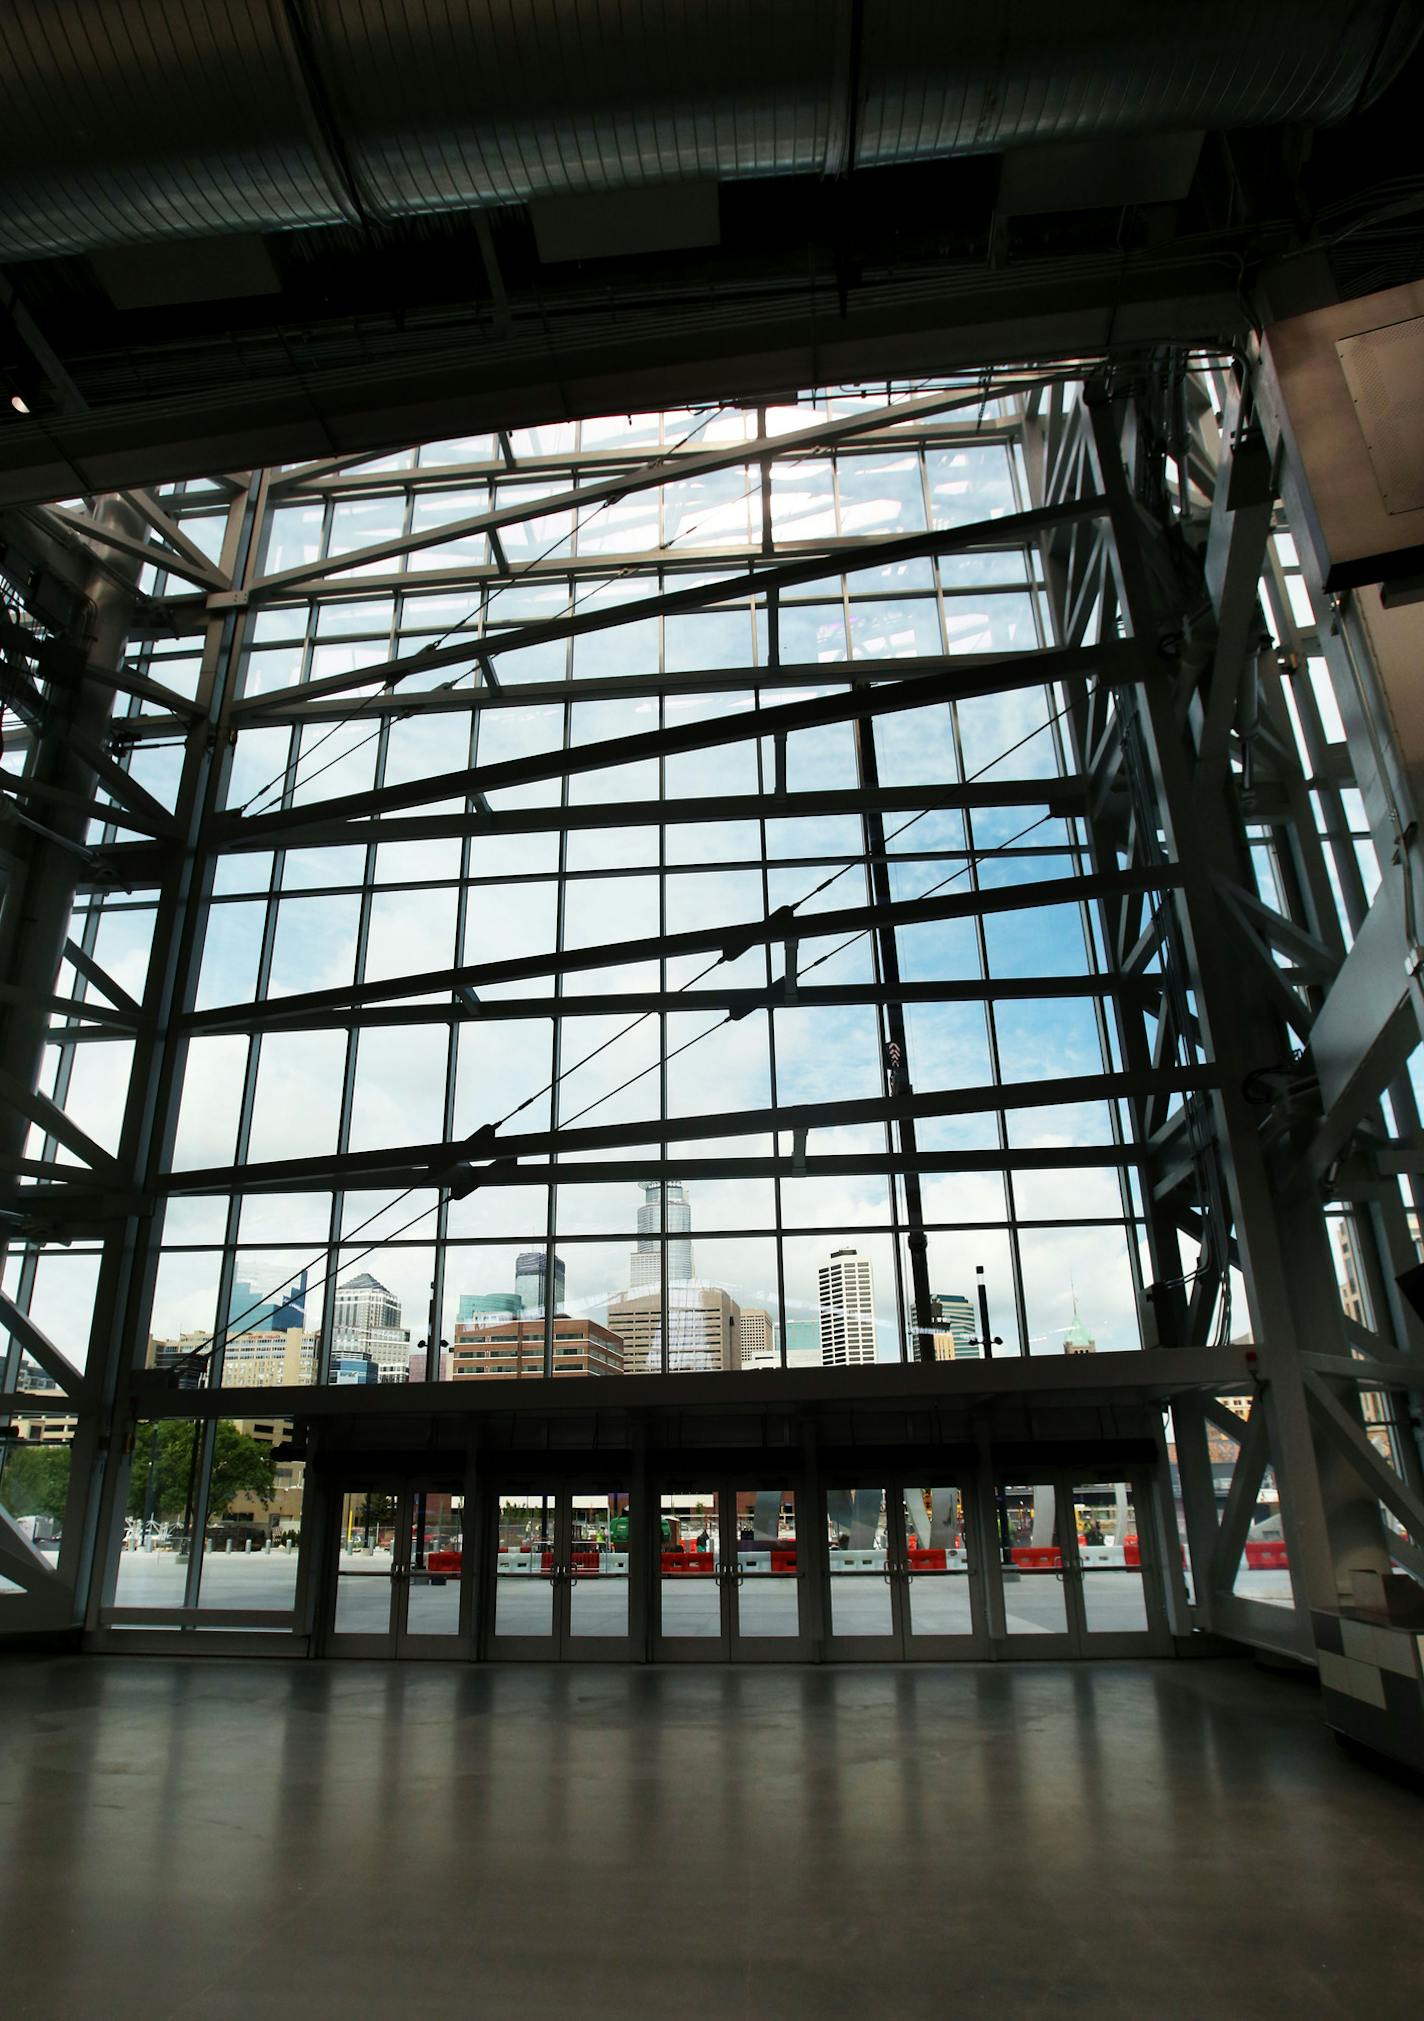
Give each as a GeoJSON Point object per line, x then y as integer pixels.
{"type": "Point", "coordinates": [220, 1839]}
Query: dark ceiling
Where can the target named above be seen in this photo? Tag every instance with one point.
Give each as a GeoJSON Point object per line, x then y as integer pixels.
{"type": "Point", "coordinates": [199, 351]}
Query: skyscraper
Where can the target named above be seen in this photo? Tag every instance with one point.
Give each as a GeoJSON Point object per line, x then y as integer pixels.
{"type": "Point", "coordinates": [644, 1267]}
{"type": "Point", "coordinates": [366, 1320]}
{"type": "Point", "coordinates": [530, 1267]}
{"type": "Point", "coordinates": [704, 1335]}
{"type": "Point", "coordinates": [847, 1302]}
{"type": "Point", "coordinates": [955, 1327]}
{"type": "Point", "coordinates": [758, 1338]}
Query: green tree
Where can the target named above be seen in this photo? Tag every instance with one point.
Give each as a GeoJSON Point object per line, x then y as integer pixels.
{"type": "Point", "coordinates": [164, 1455]}
{"type": "Point", "coordinates": [35, 1481]}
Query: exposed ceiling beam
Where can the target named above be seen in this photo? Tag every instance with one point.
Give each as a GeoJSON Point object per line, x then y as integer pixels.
{"type": "Point", "coordinates": [641, 475]}
{"type": "Point", "coordinates": [1014, 530]}
{"type": "Point", "coordinates": [906, 685]}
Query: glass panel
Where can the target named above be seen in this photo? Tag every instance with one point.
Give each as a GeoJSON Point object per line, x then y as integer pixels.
{"type": "Point", "coordinates": [254, 1517]}
{"type": "Point", "coordinates": [34, 1482]}
{"type": "Point", "coordinates": [1035, 1599]}
{"type": "Point", "coordinates": [153, 1565]}
{"type": "Point", "coordinates": [365, 1559]}
{"type": "Point", "coordinates": [1263, 1572]}
{"type": "Point", "coordinates": [690, 1556]}
{"type": "Point", "coordinates": [938, 1562]}
{"type": "Point", "coordinates": [1114, 1600]}
{"type": "Point", "coordinates": [437, 1540]}
{"type": "Point", "coordinates": [768, 1590]}
{"type": "Point", "coordinates": [598, 1562]}
{"type": "Point", "coordinates": [860, 1584]}
{"type": "Point", "coordinates": [524, 1567]}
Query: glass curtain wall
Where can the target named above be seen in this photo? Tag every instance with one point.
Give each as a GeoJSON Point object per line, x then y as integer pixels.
{"type": "Point", "coordinates": [508, 812]}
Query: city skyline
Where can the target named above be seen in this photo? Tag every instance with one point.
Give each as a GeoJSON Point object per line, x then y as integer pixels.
{"type": "Point", "coordinates": [367, 1314]}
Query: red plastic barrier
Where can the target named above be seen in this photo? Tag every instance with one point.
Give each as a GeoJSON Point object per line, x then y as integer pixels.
{"type": "Point", "coordinates": [584, 1561]}
{"type": "Point", "coordinates": [444, 1561]}
{"type": "Point", "coordinates": [546, 1561]}
{"type": "Point", "coordinates": [1267, 1556]}
{"type": "Point", "coordinates": [922, 1560]}
{"type": "Point", "coordinates": [783, 1561]}
{"type": "Point", "coordinates": [695, 1562]}
{"type": "Point", "coordinates": [1038, 1557]}
{"type": "Point", "coordinates": [1131, 1551]}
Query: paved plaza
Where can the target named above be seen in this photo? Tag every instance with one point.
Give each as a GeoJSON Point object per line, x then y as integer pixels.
{"type": "Point", "coordinates": [1034, 1603]}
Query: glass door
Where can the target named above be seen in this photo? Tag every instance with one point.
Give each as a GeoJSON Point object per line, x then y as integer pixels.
{"type": "Point", "coordinates": [938, 1580]}
{"type": "Point", "coordinates": [865, 1614]}
{"type": "Point", "coordinates": [528, 1548]}
{"type": "Point", "coordinates": [398, 1586]}
{"type": "Point", "coordinates": [599, 1558]}
{"type": "Point", "coordinates": [765, 1575]}
{"type": "Point", "coordinates": [1078, 1575]}
{"type": "Point", "coordinates": [1033, 1519]}
{"type": "Point", "coordinates": [433, 1594]}
{"type": "Point", "coordinates": [902, 1583]}
{"type": "Point", "coordinates": [729, 1585]}
{"type": "Point", "coordinates": [563, 1555]}
{"type": "Point", "coordinates": [696, 1556]}
{"type": "Point", "coordinates": [1114, 1585]}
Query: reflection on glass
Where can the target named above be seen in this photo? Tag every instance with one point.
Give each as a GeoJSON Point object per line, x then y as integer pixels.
{"type": "Point", "coordinates": [937, 1562]}
{"type": "Point", "coordinates": [1035, 1599]}
{"type": "Point", "coordinates": [524, 1566]}
{"type": "Point", "coordinates": [857, 1541]}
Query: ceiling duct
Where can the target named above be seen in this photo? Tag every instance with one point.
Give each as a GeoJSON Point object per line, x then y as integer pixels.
{"type": "Point", "coordinates": [170, 119]}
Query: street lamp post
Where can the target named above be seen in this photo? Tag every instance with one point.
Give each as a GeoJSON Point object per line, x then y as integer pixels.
{"type": "Point", "coordinates": [150, 1493]}
{"type": "Point", "coordinates": [989, 1341]}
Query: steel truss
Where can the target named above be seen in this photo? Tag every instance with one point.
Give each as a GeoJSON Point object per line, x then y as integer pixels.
{"type": "Point", "coordinates": [1181, 764]}
{"type": "Point", "coordinates": [1195, 759]}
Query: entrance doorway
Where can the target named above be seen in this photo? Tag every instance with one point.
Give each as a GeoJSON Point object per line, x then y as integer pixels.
{"type": "Point", "coordinates": [731, 1573]}
{"type": "Point", "coordinates": [904, 1582]}
{"type": "Point", "coordinates": [1077, 1571]}
{"type": "Point", "coordinates": [397, 1584]}
{"type": "Point", "coordinates": [561, 1579]}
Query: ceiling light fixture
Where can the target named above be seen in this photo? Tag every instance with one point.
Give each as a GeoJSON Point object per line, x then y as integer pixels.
{"type": "Point", "coordinates": [19, 403]}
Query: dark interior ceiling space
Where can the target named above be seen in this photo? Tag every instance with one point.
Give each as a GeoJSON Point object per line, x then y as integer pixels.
{"type": "Point", "coordinates": [296, 228]}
